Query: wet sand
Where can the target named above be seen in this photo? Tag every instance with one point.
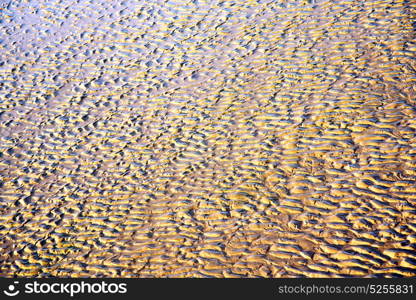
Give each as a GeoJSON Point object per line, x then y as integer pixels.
{"type": "Point", "coordinates": [208, 138]}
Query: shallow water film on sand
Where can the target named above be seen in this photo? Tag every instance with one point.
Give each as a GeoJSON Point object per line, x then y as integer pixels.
{"type": "Point", "coordinates": [208, 138]}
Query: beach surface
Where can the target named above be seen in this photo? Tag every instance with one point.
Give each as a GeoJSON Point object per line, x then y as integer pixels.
{"type": "Point", "coordinates": [208, 138]}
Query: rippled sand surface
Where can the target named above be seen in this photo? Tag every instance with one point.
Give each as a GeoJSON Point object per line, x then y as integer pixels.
{"type": "Point", "coordinates": [208, 138]}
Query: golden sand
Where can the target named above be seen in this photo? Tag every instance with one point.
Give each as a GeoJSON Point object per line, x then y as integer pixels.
{"type": "Point", "coordinates": [208, 138]}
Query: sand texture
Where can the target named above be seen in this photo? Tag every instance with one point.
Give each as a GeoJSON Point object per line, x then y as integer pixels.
{"type": "Point", "coordinates": [208, 138]}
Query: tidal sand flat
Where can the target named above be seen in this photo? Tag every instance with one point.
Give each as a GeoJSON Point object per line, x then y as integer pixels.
{"type": "Point", "coordinates": [208, 138]}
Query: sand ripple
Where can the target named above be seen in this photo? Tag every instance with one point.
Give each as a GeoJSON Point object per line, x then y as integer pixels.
{"type": "Point", "coordinates": [207, 138]}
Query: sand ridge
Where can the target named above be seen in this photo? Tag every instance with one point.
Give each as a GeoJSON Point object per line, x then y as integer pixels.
{"type": "Point", "coordinates": [207, 138]}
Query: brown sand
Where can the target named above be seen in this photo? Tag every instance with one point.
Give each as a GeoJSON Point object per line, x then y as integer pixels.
{"type": "Point", "coordinates": [208, 138]}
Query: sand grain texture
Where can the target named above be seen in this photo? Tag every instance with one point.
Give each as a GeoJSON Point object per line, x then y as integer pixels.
{"type": "Point", "coordinates": [207, 138]}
